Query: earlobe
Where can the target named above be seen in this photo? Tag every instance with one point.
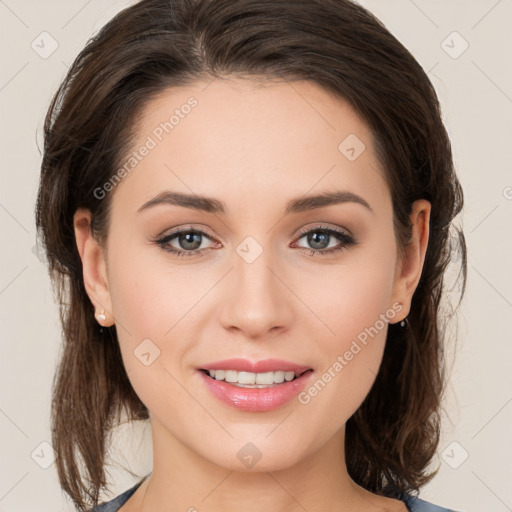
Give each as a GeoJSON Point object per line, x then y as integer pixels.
{"type": "Point", "coordinates": [93, 267]}
{"type": "Point", "coordinates": [411, 266]}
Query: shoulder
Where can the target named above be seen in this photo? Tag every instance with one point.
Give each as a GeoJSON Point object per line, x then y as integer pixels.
{"type": "Point", "coordinates": [415, 504]}
{"type": "Point", "coordinates": [115, 504]}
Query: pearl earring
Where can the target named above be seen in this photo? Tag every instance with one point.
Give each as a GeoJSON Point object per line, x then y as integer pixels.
{"type": "Point", "coordinates": [101, 316]}
{"type": "Point", "coordinates": [403, 322]}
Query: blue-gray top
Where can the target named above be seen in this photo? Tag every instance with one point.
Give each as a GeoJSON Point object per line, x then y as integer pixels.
{"type": "Point", "coordinates": [412, 503]}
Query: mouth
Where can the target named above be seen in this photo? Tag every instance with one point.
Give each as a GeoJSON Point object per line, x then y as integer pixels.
{"type": "Point", "coordinates": [255, 392]}
{"type": "Point", "coordinates": [253, 380]}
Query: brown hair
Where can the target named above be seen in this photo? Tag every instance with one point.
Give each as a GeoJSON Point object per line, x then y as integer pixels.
{"type": "Point", "coordinates": [338, 44]}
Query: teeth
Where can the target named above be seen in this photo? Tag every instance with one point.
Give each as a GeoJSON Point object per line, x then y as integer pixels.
{"type": "Point", "coordinates": [231, 376]}
{"type": "Point", "coordinates": [249, 378]}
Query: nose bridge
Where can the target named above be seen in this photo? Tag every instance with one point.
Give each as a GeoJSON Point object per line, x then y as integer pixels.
{"type": "Point", "coordinates": [257, 299]}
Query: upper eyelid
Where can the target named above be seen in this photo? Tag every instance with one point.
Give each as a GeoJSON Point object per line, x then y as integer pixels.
{"type": "Point", "coordinates": [185, 229]}
{"type": "Point", "coordinates": [337, 230]}
{"type": "Point", "coordinates": [319, 227]}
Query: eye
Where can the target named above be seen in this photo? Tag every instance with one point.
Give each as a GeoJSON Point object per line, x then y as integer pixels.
{"type": "Point", "coordinates": [319, 238]}
{"type": "Point", "coordinates": [189, 239]}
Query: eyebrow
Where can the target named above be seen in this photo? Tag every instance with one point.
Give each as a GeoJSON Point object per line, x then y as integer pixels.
{"type": "Point", "coordinates": [211, 205]}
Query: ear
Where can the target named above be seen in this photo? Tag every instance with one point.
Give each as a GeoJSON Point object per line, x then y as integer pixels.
{"type": "Point", "coordinates": [94, 266]}
{"type": "Point", "coordinates": [409, 268]}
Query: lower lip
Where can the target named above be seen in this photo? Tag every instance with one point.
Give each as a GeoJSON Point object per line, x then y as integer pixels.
{"type": "Point", "coordinates": [256, 399]}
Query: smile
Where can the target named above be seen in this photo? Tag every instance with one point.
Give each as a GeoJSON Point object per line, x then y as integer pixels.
{"type": "Point", "coordinates": [254, 392]}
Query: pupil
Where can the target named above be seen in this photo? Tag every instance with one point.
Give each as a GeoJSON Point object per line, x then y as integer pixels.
{"type": "Point", "coordinates": [187, 238]}
{"type": "Point", "coordinates": [312, 239]}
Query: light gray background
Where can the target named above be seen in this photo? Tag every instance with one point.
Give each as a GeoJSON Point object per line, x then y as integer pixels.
{"type": "Point", "coordinates": [475, 89]}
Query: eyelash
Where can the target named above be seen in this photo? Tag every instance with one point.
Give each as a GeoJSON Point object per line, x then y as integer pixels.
{"type": "Point", "coordinates": [346, 240]}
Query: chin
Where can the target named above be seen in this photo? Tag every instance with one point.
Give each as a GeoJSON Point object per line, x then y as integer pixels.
{"type": "Point", "coordinates": [254, 454]}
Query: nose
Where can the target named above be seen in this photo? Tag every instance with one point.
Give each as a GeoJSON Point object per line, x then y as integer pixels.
{"type": "Point", "coordinates": [259, 300]}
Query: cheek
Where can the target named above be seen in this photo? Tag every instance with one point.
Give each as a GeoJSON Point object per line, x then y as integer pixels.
{"type": "Point", "coordinates": [355, 307]}
{"type": "Point", "coordinates": [141, 306]}
{"type": "Point", "coordinates": [146, 307]}
{"type": "Point", "coordinates": [150, 293]}
{"type": "Point", "coordinates": [351, 297]}
{"type": "Point", "coordinates": [364, 298]}
{"type": "Point", "coordinates": [154, 301]}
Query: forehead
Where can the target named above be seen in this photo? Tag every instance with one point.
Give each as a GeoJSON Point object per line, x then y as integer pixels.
{"type": "Point", "coordinates": [233, 138]}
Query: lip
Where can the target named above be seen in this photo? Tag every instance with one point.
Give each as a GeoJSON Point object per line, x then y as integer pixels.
{"type": "Point", "coordinates": [256, 399]}
{"type": "Point", "coordinates": [245, 365]}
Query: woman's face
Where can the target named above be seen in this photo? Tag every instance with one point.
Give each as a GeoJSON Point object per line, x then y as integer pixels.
{"type": "Point", "coordinates": [251, 287]}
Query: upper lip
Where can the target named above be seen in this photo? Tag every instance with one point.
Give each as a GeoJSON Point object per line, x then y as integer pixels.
{"type": "Point", "coordinates": [266, 365]}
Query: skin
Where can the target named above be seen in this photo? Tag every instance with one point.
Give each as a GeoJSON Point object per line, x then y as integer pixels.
{"type": "Point", "coordinates": [254, 146]}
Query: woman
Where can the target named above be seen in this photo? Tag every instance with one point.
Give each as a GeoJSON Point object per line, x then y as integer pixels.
{"type": "Point", "coordinates": [246, 207]}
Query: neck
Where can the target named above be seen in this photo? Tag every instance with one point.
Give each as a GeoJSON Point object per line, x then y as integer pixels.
{"type": "Point", "coordinates": [184, 480]}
